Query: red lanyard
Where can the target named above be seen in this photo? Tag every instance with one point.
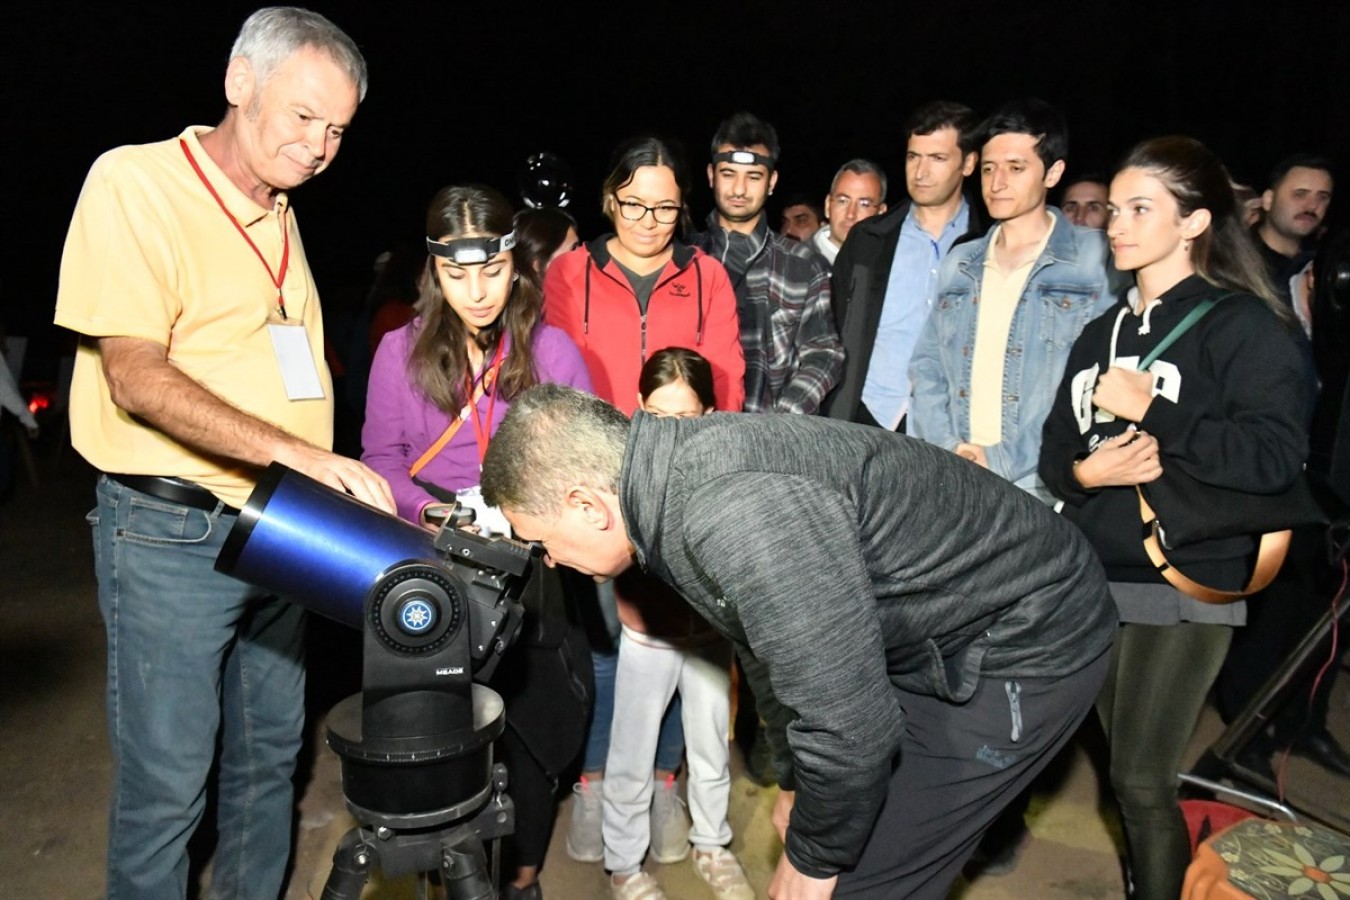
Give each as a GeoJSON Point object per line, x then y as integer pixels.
{"type": "Point", "coordinates": [277, 277]}
{"type": "Point", "coordinates": [481, 432]}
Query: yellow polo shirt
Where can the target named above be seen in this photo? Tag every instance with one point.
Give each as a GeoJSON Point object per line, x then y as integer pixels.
{"type": "Point", "coordinates": [1000, 292]}
{"type": "Point", "coordinates": [150, 254]}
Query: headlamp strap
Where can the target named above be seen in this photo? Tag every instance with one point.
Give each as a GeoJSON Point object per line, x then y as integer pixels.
{"type": "Point", "coordinates": [744, 158]}
{"type": "Point", "coordinates": [471, 251]}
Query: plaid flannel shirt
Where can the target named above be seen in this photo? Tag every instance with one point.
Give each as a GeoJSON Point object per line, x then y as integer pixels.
{"type": "Point", "coordinates": [793, 355]}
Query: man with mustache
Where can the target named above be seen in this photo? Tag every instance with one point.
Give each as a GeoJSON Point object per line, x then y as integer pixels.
{"type": "Point", "coordinates": [1295, 206]}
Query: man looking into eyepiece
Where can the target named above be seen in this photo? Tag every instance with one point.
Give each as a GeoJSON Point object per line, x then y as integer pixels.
{"type": "Point", "coordinates": [921, 635]}
{"type": "Point", "coordinates": [201, 362]}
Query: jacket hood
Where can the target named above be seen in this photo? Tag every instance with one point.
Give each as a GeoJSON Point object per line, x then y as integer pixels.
{"type": "Point", "coordinates": [642, 496]}
{"type": "Point", "coordinates": [1158, 315]}
{"type": "Point", "coordinates": [682, 257]}
{"type": "Point", "coordinates": [682, 254]}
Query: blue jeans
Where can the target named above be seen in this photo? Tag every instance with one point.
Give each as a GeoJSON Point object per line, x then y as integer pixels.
{"type": "Point", "coordinates": [670, 743]}
{"type": "Point", "coordinates": [193, 656]}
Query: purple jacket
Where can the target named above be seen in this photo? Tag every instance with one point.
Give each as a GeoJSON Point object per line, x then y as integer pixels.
{"type": "Point", "coordinates": [401, 423]}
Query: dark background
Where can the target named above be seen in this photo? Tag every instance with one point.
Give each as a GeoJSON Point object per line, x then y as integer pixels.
{"type": "Point", "coordinates": [465, 91]}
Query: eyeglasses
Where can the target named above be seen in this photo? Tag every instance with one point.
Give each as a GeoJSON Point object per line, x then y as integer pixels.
{"type": "Point", "coordinates": [843, 200]}
{"type": "Point", "coordinates": [634, 212]}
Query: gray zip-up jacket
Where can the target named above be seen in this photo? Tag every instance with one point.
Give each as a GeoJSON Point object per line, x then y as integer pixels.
{"type": "Point", "coordinates": [843, 561]}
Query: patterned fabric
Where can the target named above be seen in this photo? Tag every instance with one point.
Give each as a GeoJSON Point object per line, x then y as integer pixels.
{"type": "Point", "coordinates": [1268, 860]}
{"type": "Point", "coordinates": [793, 355]}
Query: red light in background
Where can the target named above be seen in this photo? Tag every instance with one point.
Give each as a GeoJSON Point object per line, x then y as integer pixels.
{"type": "Point", "coordinates": [39, 401]}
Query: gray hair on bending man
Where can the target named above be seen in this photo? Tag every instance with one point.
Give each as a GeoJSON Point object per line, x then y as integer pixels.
{"type": "Point", "coordinates": [555, 437]}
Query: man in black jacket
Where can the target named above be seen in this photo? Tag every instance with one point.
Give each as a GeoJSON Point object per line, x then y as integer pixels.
{"type": "Point", "coordinates": [922, 636]}
{"type": "Point", "coordinates": [885, 276]}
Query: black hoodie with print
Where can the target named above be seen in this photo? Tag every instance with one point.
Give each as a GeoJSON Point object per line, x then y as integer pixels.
{"type": "Point", "coordinates": [1230, 409]}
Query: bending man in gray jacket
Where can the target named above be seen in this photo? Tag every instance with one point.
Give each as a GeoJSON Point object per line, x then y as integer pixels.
{"type": "Point", "coordinates": [921, 636]}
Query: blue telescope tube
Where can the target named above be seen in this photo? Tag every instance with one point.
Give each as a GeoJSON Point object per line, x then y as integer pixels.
{"type": "Point", "coordinates": [313, 545]}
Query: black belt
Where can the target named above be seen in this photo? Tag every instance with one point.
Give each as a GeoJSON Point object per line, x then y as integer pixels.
{"type": "Point", "coordinates": [174, 490]}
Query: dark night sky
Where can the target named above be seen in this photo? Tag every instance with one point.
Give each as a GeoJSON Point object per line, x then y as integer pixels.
{"type": "Point", "coordinates": [465, 91]}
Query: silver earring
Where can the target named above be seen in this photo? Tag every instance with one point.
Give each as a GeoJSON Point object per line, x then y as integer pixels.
{"type": "Point", "coordinates": [515, 276]}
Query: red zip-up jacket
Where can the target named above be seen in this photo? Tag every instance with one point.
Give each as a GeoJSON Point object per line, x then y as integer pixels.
{"type": "Point", "coordinates": [692, 305]}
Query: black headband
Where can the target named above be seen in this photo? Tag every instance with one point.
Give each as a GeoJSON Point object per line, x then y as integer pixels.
{"type": "Point", "coordinates": [471, 251]}
{"type": "Point", "coordinates": [744, 158]}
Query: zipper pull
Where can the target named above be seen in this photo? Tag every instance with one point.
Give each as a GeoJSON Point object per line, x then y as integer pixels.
{"type": "Point", "coordinates": [1014, 692]}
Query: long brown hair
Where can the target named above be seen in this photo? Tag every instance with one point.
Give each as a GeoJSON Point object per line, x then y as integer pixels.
{"type": "Point", "coordinates": [1223, 254]}
{"type": "Point", "coordinates": [438, 364]}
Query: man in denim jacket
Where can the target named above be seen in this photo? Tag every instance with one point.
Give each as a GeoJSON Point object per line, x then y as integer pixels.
{"type": "Point", "coordinates": [1010, 305]}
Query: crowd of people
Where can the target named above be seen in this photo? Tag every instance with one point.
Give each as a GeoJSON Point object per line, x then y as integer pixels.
{"type": "Point", "coordinates": [883, 468]}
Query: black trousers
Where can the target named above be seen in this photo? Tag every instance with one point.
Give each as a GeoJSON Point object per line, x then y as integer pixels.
{"type": "Point", "coordinates": [959, 765]}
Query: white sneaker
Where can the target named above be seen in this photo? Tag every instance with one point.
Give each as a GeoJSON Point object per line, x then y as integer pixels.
{"type": "Point", "coordinates": [723, 873]}
{"type": "Point", "coordinates": [585, 843]}
{"type": "Point", "coordinates": [638, 887]}
{"type": "Point", "coordinates": [669, 824]}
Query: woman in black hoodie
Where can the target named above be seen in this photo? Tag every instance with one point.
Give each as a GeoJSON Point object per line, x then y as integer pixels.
{"type": "Point", "coordinates": [1221, 409]}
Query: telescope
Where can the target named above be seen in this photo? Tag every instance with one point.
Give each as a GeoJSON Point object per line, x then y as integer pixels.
{"type": "Point", "coordinates": [436, 613]}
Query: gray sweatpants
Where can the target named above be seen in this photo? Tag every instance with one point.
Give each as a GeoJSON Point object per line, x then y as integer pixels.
{"type": "Point", "coordinates": [959, 765]}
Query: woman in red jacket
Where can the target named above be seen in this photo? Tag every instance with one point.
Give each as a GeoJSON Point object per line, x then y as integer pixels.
{"type": "Point", "coordinates": [637, 290]}
{"type": "Point", "coordinates": [622, 298]}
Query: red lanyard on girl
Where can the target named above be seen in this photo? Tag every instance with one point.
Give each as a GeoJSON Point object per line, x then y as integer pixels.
{"type": "Point", "coordinates": [280, 275]}
{"type": "Point", "coordinates": [483, 433]}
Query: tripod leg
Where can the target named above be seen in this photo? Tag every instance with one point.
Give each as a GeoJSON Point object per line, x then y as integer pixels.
{"type": "Point", "coordinates": [352, 862]}
{"type": "Point", "coordinates": [464, 869]}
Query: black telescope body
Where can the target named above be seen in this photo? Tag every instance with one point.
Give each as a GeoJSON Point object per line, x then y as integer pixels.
{"type": "Point", "coordinates": [436, 613]}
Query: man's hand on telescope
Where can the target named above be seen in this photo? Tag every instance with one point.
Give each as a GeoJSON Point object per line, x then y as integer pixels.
{"type": "Point", "coordinates": [340, 473]}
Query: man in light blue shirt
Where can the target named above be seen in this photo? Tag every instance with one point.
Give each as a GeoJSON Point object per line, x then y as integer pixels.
{"type": "Point", "coordinates": [910, 292]}
{"type": "Point", "coordinates": [885, 277]}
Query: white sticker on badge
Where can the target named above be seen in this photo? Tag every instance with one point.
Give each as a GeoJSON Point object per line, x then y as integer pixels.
{"type": "Point", "coordinates": [298, 371]}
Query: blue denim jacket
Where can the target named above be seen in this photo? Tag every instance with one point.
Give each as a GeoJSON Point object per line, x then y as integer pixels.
{"type": "Point", "coordinates": [1067, 288]}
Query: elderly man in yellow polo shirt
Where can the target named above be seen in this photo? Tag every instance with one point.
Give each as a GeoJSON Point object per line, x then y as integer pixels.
{"type": "Point", "coordinates": [201, 362]}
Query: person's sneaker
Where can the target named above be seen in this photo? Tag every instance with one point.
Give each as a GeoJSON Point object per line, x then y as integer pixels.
{"type": "Point", "coordinates": [723, 873]}
{"type": "Point", "coordinates": [638, 887]}
{"type": "Point", "coordinates": [585, 842]}
{"type": "Point", "coordinates": [669, 825]}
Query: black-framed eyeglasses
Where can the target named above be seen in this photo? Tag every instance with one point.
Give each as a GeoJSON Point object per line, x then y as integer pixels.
{"type": "Point", "coordinates": [634, 211]}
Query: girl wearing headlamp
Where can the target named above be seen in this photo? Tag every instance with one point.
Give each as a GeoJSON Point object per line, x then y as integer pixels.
{"type": "Point", "coordinates": [439, 387]}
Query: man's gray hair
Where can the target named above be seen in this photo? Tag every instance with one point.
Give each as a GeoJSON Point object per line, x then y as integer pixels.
{"type": "Point", "coordinates": [553, 438]}
{"type": "Point", "coordinates": [862, 167]}
{"type": "Point", "coordinates": [273, 33]}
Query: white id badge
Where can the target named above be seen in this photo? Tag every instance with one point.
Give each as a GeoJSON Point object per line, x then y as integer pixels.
{"type": "Point", "coordinates": [298, 371]}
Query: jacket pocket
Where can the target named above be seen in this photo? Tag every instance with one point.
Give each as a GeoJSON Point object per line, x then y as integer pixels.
{"type": "Point", "coordinates": [952, 312]}
{"type": "Point", "coordinates": [954, 678]}
{"type": "Point", "coordinates": [1065, 310]}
